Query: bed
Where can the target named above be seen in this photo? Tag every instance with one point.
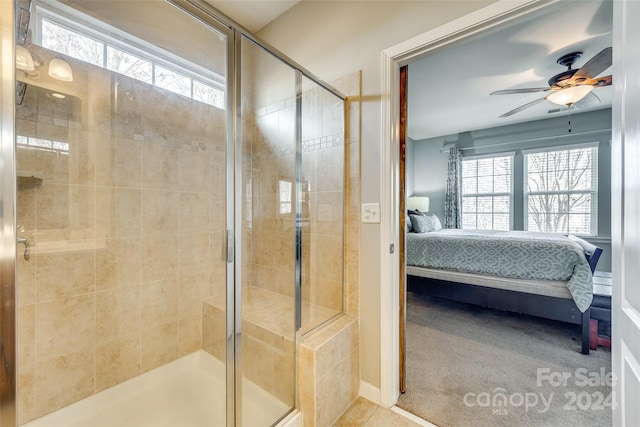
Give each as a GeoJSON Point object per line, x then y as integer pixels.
{"type": "Point", "coordinates": [541, 274]}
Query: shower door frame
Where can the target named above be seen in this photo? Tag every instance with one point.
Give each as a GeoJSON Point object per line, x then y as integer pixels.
{"type": "Point", "coordinates": [7, 217]}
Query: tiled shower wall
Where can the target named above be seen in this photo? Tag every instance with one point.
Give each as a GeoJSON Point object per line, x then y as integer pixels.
{"type": "Point", "coordinates": [328, 357]}
{"type": "Point", "coordinates": [323, 203]}
{"type": "Point", "coordinates": [126, 229]}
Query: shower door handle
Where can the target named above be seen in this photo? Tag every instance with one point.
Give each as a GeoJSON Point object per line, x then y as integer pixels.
{"type": "Point", "coordinates": [27, 247]}
{"type": "Point", "coordinates": [230, 247]}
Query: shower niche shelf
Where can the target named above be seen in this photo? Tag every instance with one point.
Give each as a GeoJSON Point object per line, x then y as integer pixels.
{"type": "Point", "coordinates": [29, 178]}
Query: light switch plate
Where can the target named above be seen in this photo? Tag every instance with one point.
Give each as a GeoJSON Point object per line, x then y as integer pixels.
{"type": "Point", "coordinates": [371, 212]}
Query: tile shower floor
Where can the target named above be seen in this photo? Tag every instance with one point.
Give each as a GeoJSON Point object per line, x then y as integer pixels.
{"type": "Point", "coordinates": [189, 391]}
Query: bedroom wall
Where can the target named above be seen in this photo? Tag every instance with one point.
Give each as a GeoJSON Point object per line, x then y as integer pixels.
{"type": "Point", "coordinates": [429, 176]}
{"type": "Point", "coordinates": [336, 38]}
{"type": "Point", "coordinates": [410, 167]}
{"type": "Point", "coordinates": [430, 165]}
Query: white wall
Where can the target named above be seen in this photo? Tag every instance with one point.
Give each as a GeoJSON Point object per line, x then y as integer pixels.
{"type": "Point", "coordinates": [336, 38]}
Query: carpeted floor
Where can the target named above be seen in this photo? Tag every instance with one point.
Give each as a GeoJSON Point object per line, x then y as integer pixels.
{"type": "Point", "coordinates": [470, 366]}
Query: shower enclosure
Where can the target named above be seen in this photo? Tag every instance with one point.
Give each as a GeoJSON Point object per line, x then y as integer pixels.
{"type": "Point", "coordinates": [179, 193]}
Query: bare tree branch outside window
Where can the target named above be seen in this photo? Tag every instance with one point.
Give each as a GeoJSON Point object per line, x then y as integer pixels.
{"type": "Point", "coordinates": [487, 193]}
{"type": "Point", "coordinates": [75, 45]}
{"type": "Point", "coordinates": [561, 190]}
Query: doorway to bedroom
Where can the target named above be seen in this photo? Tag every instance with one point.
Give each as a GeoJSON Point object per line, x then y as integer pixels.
{"type": "Point", "coordinates": [543, 168]}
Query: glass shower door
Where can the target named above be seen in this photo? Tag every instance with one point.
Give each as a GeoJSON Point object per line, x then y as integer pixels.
{"type": "Point", "coordinates": [267, 214]}
{"type": "Point", "coordinates": [122, 157]}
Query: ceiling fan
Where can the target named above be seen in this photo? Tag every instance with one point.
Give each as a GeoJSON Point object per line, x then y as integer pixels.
{"type": "Point", "coordinates": [570, 86]}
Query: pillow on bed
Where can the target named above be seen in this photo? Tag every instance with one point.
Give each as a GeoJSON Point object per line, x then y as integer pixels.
{"type": "Point", "coordinates": [407, 223]}
{"type": "Point", "coordinates": [425, 222]}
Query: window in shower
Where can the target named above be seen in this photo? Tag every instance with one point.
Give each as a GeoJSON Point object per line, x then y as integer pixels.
{"type": "Point", "coordinates": [284, 193]}
{"type": "Point", "coordinates": [162, 70]}
{"type": "Point", "coordinates": [42, 144]}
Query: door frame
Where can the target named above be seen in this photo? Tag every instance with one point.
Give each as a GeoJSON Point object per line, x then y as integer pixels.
{"type": "Point", "coordinates": [393, 58]}
{"type": "Point", "coordinates": [625, 227]}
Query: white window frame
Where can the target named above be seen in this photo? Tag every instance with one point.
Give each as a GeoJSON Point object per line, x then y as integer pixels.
{"type": "Point", "coordinates": [510, 194]}
{"type": "Point", "coordinates": [594, 177]}
{"type": "Point", "coordinates": [70, 19]}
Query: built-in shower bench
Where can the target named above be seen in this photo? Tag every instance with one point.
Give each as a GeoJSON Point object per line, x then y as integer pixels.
{"type": "Point", "coordinates": [268, 331]}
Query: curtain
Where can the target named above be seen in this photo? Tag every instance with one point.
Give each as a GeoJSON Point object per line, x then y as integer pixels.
{"type": "Point", "coordinates": [453, 196]}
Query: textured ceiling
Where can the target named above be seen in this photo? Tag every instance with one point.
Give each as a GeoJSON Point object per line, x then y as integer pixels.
{"type": "Point", "coordinates": [253, 14]}
{"type": "Point", "coordinates": [449, 89]}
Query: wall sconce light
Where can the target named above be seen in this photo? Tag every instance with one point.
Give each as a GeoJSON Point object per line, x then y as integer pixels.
{"type": "Point", "coordinates": [61, 70]}
{"type": "Point", "coordinates": [418, 203]}
{"type": "Point", "coordinates": [570, 95]}
{"type": "Point", "coordinates": [24, 60]}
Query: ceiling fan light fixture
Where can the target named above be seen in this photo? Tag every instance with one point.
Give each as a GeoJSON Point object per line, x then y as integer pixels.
{"type": "Point", "coordinates": [570, 95]}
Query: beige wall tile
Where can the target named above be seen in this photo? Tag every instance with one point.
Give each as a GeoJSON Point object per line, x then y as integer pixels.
{"type": "Point", "coordinates": [159, 211]}
{"type": "Point", "coordinates": [160, 170]}
{"type": "Point", "coordinates": [26, 207]}
{"type": "Point", "coordinates": [64, 380]}
{"type": "Point", "coordinates": [105, 157]}
{"type": "Point", "coordinates": [66, 212]}
{"type": "Point", "coordinates": [159, 345]}
{"type": "Point", "coordinates": [351, 374]}
{"type": "Point", "coordinates": [118, 313]}
{"type": "Point", "coordinates": [128, 212]}
{"type": "Point", "coordinates": [334, 380]}
{"type": "Point", "coordinates": [118, 264]}
{"type": "Point", "coordinates": [309, 410]}
{"type": "Point", "coordinates": [327, 356]}
{"type": "Point", "coordinates": [65, 274]}
{"type": "Point", "coordinates": [159, 256]}
{"type": "Point", "coordinates": [159, 302]}
{"type": "Point", "coordinates": [26, 335]}
{"type": "Point", "coordinates": [194, 212]}
{"type": "Point", "coordinates": [26, 394]}
{"type": "Point", "coordinates": [214, 331]}
{"type": "Point", "coordinates": [190, 335]}
{"type": "Point", "coordinates": [194, 287]}
{"type": "Point", "coordinates": [117, 361]}
{"type": "Point", "coordinates": [331, 254]}
{"type": "Point", "coordinates": [328, 394]}
{"type": "Point", "coordinates": [26, 276]}
{"type": "Point", "coordinates": [194, 251]}
{"type": "Point", "coordinates": [54, 166]}
{"type": "Point", "coordinates": [82, 159]}
{"type": "Point", "coordinates": [106, 204]}
{"type": "Point", "coordinates": [64, 326]}
{"type": "Point", "coordinates": [128, 163]}
{"type": "Point", "coordinates": [194, 171]}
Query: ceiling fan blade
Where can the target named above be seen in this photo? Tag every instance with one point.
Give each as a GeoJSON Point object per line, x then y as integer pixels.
{"type": "Point", "coordinates": [525, 90]}
{"type": "Point", "coordinates": [602, 81]}
{"type": "Point", "coordinates": [595, 65]}
{"type": "Point", "coordinates": [523, 107]}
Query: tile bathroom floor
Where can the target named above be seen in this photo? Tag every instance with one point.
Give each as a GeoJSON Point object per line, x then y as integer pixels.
{"type": "Point", "coordinates": [364, 413]}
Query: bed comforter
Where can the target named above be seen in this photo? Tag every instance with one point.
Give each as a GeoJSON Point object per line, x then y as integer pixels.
{"type": "Point", "coordinates": [518, 254]}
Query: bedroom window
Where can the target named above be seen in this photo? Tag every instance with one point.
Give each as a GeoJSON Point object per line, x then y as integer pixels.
{"type": "Point", "coordinates": [487, 192]}
{"type": "Point", "coordinates": [562, 190]}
